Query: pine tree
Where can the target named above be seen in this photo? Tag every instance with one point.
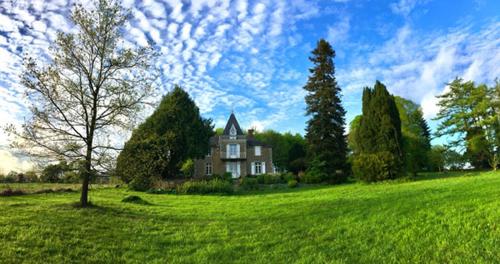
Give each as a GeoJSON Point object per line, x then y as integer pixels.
{"type": "Point", "coordinates": [326, 128]}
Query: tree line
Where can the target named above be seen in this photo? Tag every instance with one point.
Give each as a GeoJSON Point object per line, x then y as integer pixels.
{"type": "Point", "coordinates": [94, 85]}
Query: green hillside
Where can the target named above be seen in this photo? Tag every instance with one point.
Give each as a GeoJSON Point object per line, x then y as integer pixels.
{"type": "Point", "coordinates": [452, 218]}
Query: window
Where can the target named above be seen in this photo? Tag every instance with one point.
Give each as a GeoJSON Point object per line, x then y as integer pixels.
{"type": "Point", "coordinates": [208, 168]}
{"type": "Point", "coordinates": [233, 150]}
{"type": "Point", "coordinates": [233, 168]}
{"type": "Point", "coordinates": [232, 132]}
{"type": "Point", "coordinates": [257, 151]}
{"type": "Point", "coordinates": [258, 167]}
{"type": "Point", "coordinates": [209, 152]}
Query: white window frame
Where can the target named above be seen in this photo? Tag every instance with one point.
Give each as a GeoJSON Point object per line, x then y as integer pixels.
{"type": "Point", "coordinates": [258, 151]}
{"type": "Point", "coordinates": [208, 168]}
{"type": "Point", "coordinates": [258, 167]}
{"type": "Point", "coordinates": [233, 152]}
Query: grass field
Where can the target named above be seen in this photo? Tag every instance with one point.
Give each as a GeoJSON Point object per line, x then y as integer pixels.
{"type": "Point", "coordinates": [440, 219]}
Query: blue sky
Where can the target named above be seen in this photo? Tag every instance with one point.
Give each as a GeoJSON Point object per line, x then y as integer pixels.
{"type": "Point", "coordinates": [252, 56]}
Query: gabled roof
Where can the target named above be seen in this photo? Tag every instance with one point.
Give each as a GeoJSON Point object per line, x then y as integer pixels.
{"type": "Point", "coordinates": [232, 121]}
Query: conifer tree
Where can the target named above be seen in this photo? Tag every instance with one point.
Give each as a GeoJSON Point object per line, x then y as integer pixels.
{"type": "Point", "coordinates": [379, 137]}
{"type": "Point", "coordinates": [326, 127]}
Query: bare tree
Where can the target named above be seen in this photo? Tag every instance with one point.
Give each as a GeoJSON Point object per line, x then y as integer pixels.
{"type": "Point", "coordinates": [93, 85]}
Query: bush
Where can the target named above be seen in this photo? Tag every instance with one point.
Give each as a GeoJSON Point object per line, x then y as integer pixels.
{"type": "Point", "coordinates": [140, 183]}
{"type": "Point", "coordinates": [135, 199]}
{"type": "Point", "coordinates": [31, 176]}
{"type": "Point", "coordinates": [227, 176]}
{"type": "Point", "coordinates": [312, 177]}
{"type": "Point", "coordinates": [205, 187]}
{"type": "Point", "coordinates": [71, 177]}
{"type": "Point", "coordinates": [249, 183]}
{"type": "Point", "coordinates": [292, 183]}
{"type": "Point", "coordinates": [375, 167]}
{"type": "Point", "coordinates": [288, 176]}
{"type": "Point", "coordinates": [269, 179]}
{"type": "Point", "coordinates": [10, 192]}
{"type": "Point", "coordinates": [187, 168]}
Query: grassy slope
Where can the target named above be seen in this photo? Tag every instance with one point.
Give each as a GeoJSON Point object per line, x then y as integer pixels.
{"type": "Point", "coordinates": [453, 219]}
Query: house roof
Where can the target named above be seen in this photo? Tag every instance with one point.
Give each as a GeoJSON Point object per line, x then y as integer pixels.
{"type": "Point", "coordinates": [232, 121]}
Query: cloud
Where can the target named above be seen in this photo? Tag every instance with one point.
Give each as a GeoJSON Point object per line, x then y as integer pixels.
{"type": "Point", "coordinates": [9, 162]}
{"type": "Point", "coordinates": [405, 7]}
{"type": "Point", "coordinates": [418, 66]}
{"type": "Point", "coordinates": [339, 32]}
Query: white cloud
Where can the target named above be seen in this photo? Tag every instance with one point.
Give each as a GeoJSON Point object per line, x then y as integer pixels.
{"type": "Point", "coordinates": [339, 32]}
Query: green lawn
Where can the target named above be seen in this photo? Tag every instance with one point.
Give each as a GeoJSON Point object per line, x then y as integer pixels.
{"type": "Point", "coordinates": [451, 219]}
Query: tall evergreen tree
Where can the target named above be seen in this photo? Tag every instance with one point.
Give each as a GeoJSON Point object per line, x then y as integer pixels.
{"type": "Point", "coordinates": [326, 127]}
{"type": "Point", "coordinates": [379, 132]}
{"type": "Point", "coordinates": [174, 133]}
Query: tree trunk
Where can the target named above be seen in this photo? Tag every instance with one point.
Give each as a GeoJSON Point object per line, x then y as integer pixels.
{"type": "Point", "coordinates": [85, 182]}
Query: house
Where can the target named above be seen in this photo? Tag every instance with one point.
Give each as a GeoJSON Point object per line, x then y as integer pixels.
{"type": "Point", "coordinates": [235, 152]}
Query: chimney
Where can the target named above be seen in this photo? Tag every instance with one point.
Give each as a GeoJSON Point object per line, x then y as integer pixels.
{"type": "Point", "coordinates": [250, 132]}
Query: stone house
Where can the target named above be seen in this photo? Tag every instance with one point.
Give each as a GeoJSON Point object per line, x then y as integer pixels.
{"type": "Point", "coordinates": [235, 152]}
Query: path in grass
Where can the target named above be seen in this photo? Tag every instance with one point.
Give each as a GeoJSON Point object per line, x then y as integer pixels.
{"type": "Point", "coordinates": [434, 220]}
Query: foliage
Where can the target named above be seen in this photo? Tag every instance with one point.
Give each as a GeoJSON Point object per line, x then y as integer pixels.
{"type": "Point", "coordinates": [292, 183]}
{"type": "Point", "coordinates": [71, 177]}
{"type": "Point", "coordinates": [287, 148]}
{"type": "Point", "coordinates": [249, 183]}
{"type": "Point", "coordinates": [91, 85]}
{"type": "Point", "coordinates": [325, 130]}
{"type": "Point", "coordinates": [226, 176]}
{"type": "Point", "coordinates": [288, 176]}
{"type": "Point", "coordinates": [375, 167]}
{"type": "Point", "coordinates": [379, 135]}
{"type": "Point", "coordinates": [315, 173]}
{"type": "Point", "coordinates": [141, 183]}
{"type": "Point", "coordinates": [469, 114]}
{"type": "Point", "coordinates": [54, 172]}
{"type": "Point", "coordinates": [187, 168]}
{"type": "Point", "coordinates": [135, 200]}
{"type": "Point", "coordinates": [11, 192]}
{"type": "Point", "coordinates": [416, 135]}
{"type": "Point", "coordinates": [174, 133]}
{"type": "Point", "coordinates": [206, 187]}
{"type": "Point", "coordinates": [269, 178]}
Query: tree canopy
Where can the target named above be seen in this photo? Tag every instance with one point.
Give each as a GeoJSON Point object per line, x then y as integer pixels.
{"type": "Point", "coordinates": [91, 86]}
{"type": "Point", "coordinates": [160, 145]}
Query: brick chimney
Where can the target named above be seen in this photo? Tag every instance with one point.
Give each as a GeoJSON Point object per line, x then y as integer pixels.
{"type": "Point", "coordinates": [250, 132]}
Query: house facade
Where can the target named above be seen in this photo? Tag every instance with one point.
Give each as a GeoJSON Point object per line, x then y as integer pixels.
{"type": "Point", "coordinates": [235, 152]}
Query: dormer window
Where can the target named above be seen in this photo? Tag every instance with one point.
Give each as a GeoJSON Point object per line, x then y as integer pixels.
{"type": "Point", "coordinates": [232, 132]}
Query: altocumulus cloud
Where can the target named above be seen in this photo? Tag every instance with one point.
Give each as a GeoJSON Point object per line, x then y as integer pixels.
{"type": "Point", "coordinates": [251, 56]}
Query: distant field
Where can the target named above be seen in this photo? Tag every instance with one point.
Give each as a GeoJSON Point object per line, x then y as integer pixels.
{"type": "Point", "coordinates": [453, 218]}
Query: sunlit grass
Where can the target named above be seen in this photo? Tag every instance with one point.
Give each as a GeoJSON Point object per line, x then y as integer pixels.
{"type": "Point", "coordinates": [445, 218]}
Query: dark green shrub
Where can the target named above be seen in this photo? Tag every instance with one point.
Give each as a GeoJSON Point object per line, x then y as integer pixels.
{"type": "Point", "coordinates": [10, 178]}
{"type": "Point", "coordinates": [375, 167]}
{"type": "Point", "coordinates": [260, 178]}
{"type": "Point", "coordinates": [71, 177]}
{"type": "Point", "coordinates": [206, 187]}
{"type": "Point", "coordinates": [249, 183]}
{"type": "Point", "coordinates": [312, 177]}
{"type": "Point", "coordinates": [135, 199]}
{"type": "Point", "coordinates": [140, 183]}
{"type": "Point", "coordinates": [226, 176]}
{"type": "Point", "coordinates": [292, 183]}
{"type": "Point", "coordinates": [288, 176]}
